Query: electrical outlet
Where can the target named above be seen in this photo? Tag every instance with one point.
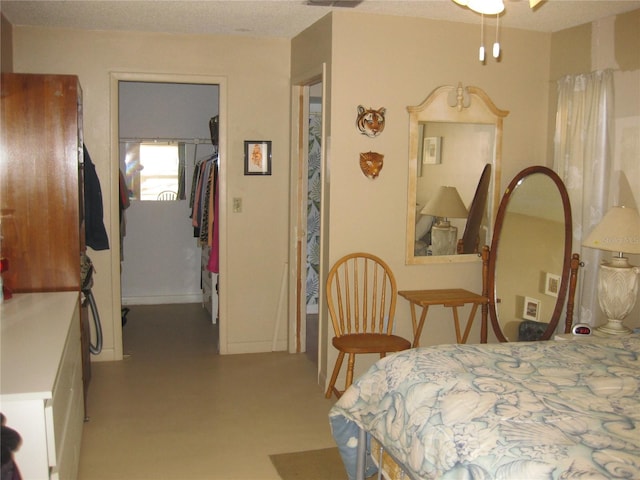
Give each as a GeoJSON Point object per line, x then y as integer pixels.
{"type": "Point", "coordinates": [237, 205]}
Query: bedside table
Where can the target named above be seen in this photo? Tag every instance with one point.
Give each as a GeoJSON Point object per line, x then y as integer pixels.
{"type": "Point", "coordinates": [570, 336]}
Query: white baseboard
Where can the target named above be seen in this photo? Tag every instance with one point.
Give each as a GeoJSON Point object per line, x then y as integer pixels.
{"type": "Point", "coordinates": [256, 347]}
{"type": "Point", "coordinates": [162, 299]}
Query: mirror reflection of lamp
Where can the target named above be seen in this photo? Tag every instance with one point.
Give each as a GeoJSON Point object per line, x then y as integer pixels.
{"type": "Point", "coordinates": [618, 231]}
{"type": "Point", "coordinates": [445, 204]}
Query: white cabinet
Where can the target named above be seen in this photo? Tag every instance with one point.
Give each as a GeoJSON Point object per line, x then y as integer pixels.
{"type": "Point", "coordinates": [41, 392]}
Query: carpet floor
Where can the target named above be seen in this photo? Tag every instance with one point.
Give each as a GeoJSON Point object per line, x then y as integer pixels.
{"type": "Point", "coordinates": [175, 409]}
{"type": "Point", "coordinates": [323, 464]}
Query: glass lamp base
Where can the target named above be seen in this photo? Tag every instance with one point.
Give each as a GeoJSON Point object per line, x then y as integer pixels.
{"type": "Point", "coordinates": [444, 239]}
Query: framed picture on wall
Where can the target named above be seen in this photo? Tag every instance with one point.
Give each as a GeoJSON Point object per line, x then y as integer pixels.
{"type": "Point", "coordinates": [531, 309]}
{"type": "Point", "coordinates": [431, 147]}
{"type": "Point", "coordinates": [552, 284]}
{"type": "Point", "coordinates": [257, 157]}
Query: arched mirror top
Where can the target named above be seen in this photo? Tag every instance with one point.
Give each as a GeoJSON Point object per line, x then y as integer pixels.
{"type": "Point", "coordinates": [455, 139]}
{"type": "Point", "coordinates": [530, 259]}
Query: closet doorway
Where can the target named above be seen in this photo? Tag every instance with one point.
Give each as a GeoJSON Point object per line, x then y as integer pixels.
{"type": "Point", "coordinates": [308, 144]}
{"type": "Point", "coordinates": [162, 256]}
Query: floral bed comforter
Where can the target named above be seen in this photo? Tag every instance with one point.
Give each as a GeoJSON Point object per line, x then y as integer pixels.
{"type": "Point", "coordinates": [538, 410]}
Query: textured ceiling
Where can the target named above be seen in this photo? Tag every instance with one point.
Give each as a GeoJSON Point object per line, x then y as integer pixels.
{"type": "Point", "coordinates": [285, 18]}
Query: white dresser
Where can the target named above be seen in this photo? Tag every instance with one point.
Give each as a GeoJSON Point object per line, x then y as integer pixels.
{"type": "Point", "coordinates": [41, 392]}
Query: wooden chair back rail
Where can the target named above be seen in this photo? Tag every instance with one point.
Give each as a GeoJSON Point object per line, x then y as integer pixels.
{"type": "Point", "coordinates": [361, 296]}
{"type": "Point", "coordinates": [361, 309]}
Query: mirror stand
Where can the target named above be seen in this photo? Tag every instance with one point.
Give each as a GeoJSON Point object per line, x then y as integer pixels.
{"type": "Point", "coordinates": [531, 271]}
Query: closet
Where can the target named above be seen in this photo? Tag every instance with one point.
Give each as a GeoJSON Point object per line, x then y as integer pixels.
{"type": "Point", "coordinates": [171, 113]}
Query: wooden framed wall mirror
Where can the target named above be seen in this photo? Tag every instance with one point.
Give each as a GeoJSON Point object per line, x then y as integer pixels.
{"type": "Point", "coordinates": [455, 139]}
{"type": "Point", "coordinates": [531, 269]}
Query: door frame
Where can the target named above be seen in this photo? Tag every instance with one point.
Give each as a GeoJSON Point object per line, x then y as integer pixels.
{"type": "Point", "coordinates": [114, 80]}
{"type": "Point", "coordinates": [298, 217]}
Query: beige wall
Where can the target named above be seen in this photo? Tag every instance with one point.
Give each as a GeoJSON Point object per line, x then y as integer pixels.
{"type": "Point", "coordinates": [6, 45]}
{"type": "Point", "coordinates": [408, 59]}
{"type": "Point", "coordinates": [402, 70]}
{"type": "Point", "coordinates": [256, 74]}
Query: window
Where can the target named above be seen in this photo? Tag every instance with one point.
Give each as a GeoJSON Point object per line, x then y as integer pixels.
{"type": "Point", "coordinates": [155, 171]}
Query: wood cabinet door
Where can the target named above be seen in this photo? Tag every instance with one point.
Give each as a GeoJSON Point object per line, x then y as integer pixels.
{"type": "Point", "coordinates": [39, 181]}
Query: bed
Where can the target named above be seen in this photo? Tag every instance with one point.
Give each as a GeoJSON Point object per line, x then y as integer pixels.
{"type": "Point", "coordinates": [526, 410]}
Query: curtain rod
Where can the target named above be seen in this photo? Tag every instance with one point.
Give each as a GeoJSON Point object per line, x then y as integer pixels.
{"type": "Point", "coordinates": [195, 141]}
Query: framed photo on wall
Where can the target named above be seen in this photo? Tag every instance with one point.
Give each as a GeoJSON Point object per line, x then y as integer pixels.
{"type": "Point", "coordinates": [257, 157]}
{"type": "Point", "coordinates": [431, 147]}
{"type": "Point", "coordinates": [552, 284]}
{"type": "Point", "coordinates": [531, 309]}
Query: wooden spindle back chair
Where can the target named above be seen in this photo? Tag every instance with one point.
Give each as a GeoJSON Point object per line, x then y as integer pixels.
{"type": "Point", "coordinates": [361, 296]}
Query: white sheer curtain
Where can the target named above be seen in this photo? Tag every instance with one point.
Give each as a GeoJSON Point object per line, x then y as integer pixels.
{"type": "Point", "coordinates": [583, 159]}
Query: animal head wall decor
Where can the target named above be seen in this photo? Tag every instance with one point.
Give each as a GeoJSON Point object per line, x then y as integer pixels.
{"type": "Point", "coordinates": [370, 122]}
{"type": "Point", "coordinates": [371, 164]}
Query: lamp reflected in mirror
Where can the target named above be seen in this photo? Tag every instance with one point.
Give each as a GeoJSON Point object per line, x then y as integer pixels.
{"type": "Point", "coordinates": [445, 204]}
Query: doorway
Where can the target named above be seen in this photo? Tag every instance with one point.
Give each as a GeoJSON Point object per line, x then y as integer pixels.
{"type": "Point", "coordinates": [164, 135]}
{"type": "Point", "coordinates": [307, 190]}
{"type": "Point", "coordinates": [313, 215]}
{"type": "Point", "coordinates": [194, 150]}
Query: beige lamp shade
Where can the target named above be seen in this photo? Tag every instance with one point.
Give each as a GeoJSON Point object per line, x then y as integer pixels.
{"type": "Point", "coordinates": [618, 231]}
{"type": "Point", "coordinates": [446, 203]}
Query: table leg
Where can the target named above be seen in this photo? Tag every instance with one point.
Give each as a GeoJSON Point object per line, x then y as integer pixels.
{"type": "Point", "coordinates": [456, 323]}
{"type": "Point", "coordinates": [414, 323]}
{"type": "Point", "coordinates": [472, 316]}
{"type": "Point", "coordinates": [483, 326]}
{"type": "Point", "coordinates": [418, 332]}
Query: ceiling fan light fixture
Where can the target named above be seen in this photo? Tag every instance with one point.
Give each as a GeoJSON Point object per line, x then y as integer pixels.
{"type": "Point", "coordinates": [487, 7]}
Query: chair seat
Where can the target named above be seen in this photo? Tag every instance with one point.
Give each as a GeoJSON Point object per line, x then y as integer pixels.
{"type": "Point", "coordinates": [370, 343]}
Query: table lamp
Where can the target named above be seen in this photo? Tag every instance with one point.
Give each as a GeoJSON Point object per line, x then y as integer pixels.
{"type": "Point", "coordinates": [618, 231]}
{"type": "Point", "coordinates": [445, 204]}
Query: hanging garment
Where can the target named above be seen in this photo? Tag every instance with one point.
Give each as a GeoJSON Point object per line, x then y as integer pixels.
{"type": "Point", "coordinates": [201, 198]}
{"type": "Point", "coordinates": [214, 257]}
{"type": "Point", "coordinates": [95, 233]}
{"type": "Point", "coordinates": [207, 194]}
{"type": "Point", "coordinates": [204, 207]}
{"type": "Point", "coordinates": [124, 203]}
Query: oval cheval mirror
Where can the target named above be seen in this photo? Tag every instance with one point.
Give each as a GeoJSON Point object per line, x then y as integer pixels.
{"type": "Point", "coordinates": [531, 269]}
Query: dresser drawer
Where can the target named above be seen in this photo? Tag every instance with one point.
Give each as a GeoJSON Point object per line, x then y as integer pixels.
{"type": "Point", "coordinates": [42, 392]}
{"type": "Point", "coordinates": [64, 412]}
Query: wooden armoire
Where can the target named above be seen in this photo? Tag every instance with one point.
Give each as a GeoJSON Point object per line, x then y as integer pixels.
{"type": "Point", "coordinates": [41, 194]}
{"type": "Point", "coordinates": [41, 187]}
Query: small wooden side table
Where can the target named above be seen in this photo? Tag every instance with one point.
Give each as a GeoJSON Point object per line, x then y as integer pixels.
{"type": "Point", "coordinates": [454, 298]}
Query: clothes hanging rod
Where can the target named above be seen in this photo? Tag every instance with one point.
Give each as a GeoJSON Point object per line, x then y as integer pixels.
{"type": "Point", "coordinates": [195, 141]}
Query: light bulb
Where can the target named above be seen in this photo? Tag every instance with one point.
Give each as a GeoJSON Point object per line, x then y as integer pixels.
{"type": "Point", "coordinates": [488, 7]}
